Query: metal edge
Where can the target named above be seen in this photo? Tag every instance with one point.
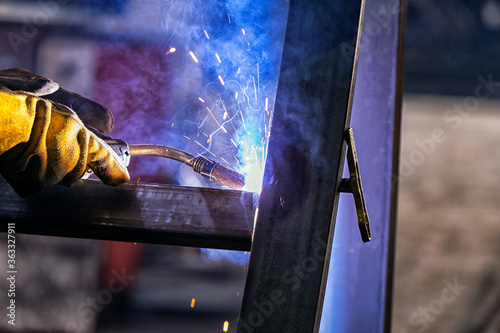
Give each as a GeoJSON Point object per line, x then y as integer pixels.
{"type": "Point", "coordinates": [326, 263]}
{"type": "Point", "coordinates": [395, 166]}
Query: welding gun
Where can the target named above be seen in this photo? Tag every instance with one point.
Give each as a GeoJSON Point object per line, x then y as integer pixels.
{"type": "Point", "coordinates": [200, 164]}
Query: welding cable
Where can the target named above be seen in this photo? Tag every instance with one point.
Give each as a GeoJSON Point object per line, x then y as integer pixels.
{"type": "Point", "coordinates": [200, 164]}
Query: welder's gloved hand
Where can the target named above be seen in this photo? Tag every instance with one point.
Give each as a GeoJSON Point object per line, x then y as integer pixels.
{"type": "Point", "coordinates": [44, 142]}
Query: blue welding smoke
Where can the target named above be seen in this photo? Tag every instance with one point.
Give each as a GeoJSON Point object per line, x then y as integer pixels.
{"type": "Point", "coordinates": [231, 52]}
{"type": "Point", "coordinates": [237, 51]}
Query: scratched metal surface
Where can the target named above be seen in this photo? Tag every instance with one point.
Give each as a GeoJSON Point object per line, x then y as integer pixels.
{"type": "Point", "coordinates": [149, 213]}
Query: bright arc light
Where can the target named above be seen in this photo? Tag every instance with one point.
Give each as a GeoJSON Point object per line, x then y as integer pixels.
{"type": "Point", "coordinates": [253, 178]}
{"type": "Point", "coordinates": [253, 170]}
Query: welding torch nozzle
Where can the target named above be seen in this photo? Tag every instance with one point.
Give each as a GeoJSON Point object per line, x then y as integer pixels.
{"type": "Point", "coordinates": [217, 172]}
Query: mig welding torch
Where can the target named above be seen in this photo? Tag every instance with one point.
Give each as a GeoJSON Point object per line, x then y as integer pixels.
{"type": "Point", "coordinates": [200, 164]}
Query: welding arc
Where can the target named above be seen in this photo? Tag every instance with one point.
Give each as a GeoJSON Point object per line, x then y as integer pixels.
{"type": "Point", "coordinates": [200, 164]}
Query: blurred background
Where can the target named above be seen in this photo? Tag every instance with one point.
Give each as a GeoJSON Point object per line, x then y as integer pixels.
{"type": "Point", "coordinates": [446, 271]}
{"type": "Point", "coordinates": [447, 274]}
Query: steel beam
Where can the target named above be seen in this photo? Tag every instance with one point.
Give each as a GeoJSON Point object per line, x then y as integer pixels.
{"type": "Point", "coordinates": [144, 213]}
{"type": "Point", "coordinates": [294, 228]}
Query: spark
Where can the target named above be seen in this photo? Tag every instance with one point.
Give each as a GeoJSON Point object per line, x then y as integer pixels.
{"type": "Point", "coordinates": [243, 31]}
{"type": "Point", "coordinates": [225, 110]}
{"type": "Point", "coordinates": [171, 50]}
{"type": "Point", "coordinates": [225, 328]}
{"type": "Point", "coordinates": [267, 105]}
{"type": "Point", "coordinates": [218, 124]}
{"type": "Point", "coordinates": [236, 95]}
{"type": "Point", "coordinates": [234, 143]}
{"type": "Point", "coordinates": [206, 34]}
{"type": "Point", "coordinates": [218, 58]}
{"type": "Point", "coordinates": [267, 126]}
{"type": "Point", "coordinates": [254, 88]}
{"type": "Point", "coordinates": [221, 80]}
{"type": "Point", "coordinates": [193, 300]}
{"type": "Point", "coordinates": [229, 18]}
{"type": "Point", "coordinates": [222, 158]}
{"type": "Point", "coordinates": [202, 146]}
{"type": "Point", "coordinates": [239, 69]}
{"type": "Point", "coordinates": [201, 99]}
{"type": "Point", "coordinates": [193, 56]}
{"type": "Point", "coordinates": [187, 137]}
{"type": "Point", "coordinates": [173, 124]}
{"type": "Point", "coordinates": [258, 78]}
{"type": "Point", "coordinates": [205, 134]}
{"type": "Point", "coordinates": [243, 121]}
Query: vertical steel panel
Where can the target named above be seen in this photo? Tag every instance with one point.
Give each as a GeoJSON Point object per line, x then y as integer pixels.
{"type": "Point", "coordinates": [358, 296]}
{"type": "Point", "coordinates": [294, 228]}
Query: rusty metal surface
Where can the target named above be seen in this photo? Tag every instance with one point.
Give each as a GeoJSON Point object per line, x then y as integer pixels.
{"type": "Point", "coordinates": [149, 213]}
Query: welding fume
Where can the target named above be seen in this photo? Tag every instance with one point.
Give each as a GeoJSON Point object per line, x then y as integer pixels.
{"type": "Point", "coordinates": [52, 136]}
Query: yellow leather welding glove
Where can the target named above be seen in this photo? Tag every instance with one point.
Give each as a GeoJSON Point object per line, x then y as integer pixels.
{"type": "Point", "coordinates": [43, 142]}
